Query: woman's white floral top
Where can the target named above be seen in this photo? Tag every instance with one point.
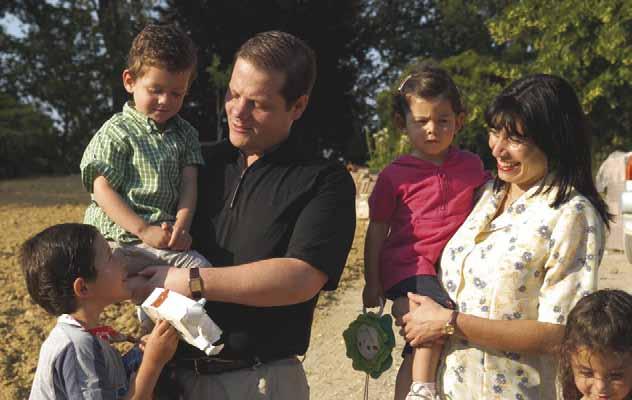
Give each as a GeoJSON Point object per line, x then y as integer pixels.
{"type": "Point", "coordinates": [532, 262]}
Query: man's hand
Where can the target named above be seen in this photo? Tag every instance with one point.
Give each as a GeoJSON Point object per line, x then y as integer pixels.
{"type": "Point", "coordinates": [161, 344]}
{"type": "Point", "coordinates": [156, 236]}
{"type": "Point", "coordinates": [176, 279]}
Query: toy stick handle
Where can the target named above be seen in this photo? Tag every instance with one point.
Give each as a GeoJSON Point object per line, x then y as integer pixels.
{"type": "Point", "coordinates": [381, 307]}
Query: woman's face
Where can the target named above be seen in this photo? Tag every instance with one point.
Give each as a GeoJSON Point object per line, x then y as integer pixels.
{"type": "Point", "coordinates": [520, 162]}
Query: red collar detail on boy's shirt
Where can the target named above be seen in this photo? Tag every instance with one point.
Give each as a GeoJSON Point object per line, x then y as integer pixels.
{"type": "Point", "coordinates": [108, 334]}
{"type": "Point", "coordinates": [104, 332]}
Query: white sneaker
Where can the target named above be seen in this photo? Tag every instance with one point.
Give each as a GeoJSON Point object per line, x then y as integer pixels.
{"type": "Point", "coordinates": [419, 391]}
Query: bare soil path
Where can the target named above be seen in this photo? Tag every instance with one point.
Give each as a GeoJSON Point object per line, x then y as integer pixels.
{"type": "Point", "coordinates": [27, 206]}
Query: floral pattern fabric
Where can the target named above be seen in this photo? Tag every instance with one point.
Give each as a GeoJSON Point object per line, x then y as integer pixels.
{"type": "Point", "coordinates": [532, 262]}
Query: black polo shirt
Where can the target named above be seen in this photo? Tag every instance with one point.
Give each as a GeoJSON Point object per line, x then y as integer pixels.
{"type": "Point", "coordinates": [286, 204]}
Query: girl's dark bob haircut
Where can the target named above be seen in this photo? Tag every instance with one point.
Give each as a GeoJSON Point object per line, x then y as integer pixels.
{"type": "Point", "coordinates": [547, 110]}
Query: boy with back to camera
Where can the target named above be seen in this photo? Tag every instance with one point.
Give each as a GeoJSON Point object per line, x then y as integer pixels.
{"type": "Point", "coordinates": [141, 166]}
{"type": "Point", "coordinates": [70, 272]}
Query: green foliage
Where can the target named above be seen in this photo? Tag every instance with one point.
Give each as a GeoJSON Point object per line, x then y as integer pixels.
{"type": "Point", "coordinates": [68, 65]}
{"type": "Point", "coordinates": [27, 140]}
{"type": "Point", "coordinates": [588, 42]}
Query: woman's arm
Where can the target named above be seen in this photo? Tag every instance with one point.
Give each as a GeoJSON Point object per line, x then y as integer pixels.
{"type": "Point", "coordinates": [427, 320]}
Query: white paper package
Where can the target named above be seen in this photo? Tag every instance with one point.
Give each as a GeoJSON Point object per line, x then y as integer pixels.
{"type": "Point", "coordinates": [187, 316]}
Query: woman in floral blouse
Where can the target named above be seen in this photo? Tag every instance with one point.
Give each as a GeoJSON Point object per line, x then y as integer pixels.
{"type": "Point", "coordinates": [527, 253]}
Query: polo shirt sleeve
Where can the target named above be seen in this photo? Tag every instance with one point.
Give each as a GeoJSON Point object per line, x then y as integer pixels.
{"type": "Point", "coordinates": [324, 230]}
{"type": "Point", "coordinates": [107, 155]}
{"type": "Point", "coordinates": [383, 199]}
{"type": "Point", "coordinates": [192, 150]}
{"type": "Point", "coordinates": [80, 371]}
{"type": "Point", "coordinates": [576, 247]}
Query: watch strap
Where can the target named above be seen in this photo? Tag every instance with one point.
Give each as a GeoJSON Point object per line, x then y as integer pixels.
{"type": "Point", "coordinates": [195, 283]}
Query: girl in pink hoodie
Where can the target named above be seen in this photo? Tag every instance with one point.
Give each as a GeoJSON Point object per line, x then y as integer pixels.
{"type": "Point", "coordinates": [418, 202]}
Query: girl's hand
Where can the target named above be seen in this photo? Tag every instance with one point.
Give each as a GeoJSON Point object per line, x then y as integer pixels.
{"type": "Point", "coordinates": [371, 296]}
{"type": "Point", "coordinates": [161, 344]}
{"type": "Point", "coordinates": [425, 322]}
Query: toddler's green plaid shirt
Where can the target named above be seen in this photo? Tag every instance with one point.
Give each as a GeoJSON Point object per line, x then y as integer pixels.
{"type": "Point", "coordinates": [143, 164]}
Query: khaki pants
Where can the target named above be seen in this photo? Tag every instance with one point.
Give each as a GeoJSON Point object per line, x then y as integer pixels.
{"type": "Point", "coordinates": [277, 380]}
{"type": "Point", "coordinates": [139, 256]}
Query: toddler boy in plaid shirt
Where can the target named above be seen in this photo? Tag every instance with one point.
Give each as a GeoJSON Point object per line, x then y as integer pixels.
{"type": "Point", "coordinates": [141, 166]}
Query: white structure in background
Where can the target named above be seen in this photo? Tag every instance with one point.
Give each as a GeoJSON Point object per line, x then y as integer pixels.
{"type": "Point", "coordinates": [611, 182]}
{"type": "Point", "coordinates": [626, 209]}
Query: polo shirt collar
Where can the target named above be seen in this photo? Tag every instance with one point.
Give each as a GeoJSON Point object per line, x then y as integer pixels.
{"type": "Point", "coordinates": [288, 150]}
{"type": "Point", "coordinates": [147, 123]}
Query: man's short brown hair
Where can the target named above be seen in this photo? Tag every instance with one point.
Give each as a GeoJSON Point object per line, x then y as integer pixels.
{"type": "Point", "coordinates": [52, 260]}
{"type": "Point", "coordinates": [285, 53]}
{"type": "Point", "coordinates": [162, 46]}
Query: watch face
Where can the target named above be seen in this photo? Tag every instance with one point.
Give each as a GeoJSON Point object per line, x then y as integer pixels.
{"type": "Point", "coordinates": [449, 330]}
{"type": "Point", "coordinates": [195, 285]}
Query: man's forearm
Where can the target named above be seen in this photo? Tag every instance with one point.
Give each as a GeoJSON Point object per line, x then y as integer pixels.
{"type": "Point", "coordinates": [266, 283]}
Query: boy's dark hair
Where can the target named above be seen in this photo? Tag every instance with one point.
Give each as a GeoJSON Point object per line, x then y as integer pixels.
{"type": "Point", "coordinates": [599, 322]}
{"type": "Point", "coordinates": [285, 53]}
{"type": "Point", "coordinates": [162, 46]}
{"type": "Point", "coordinates": [52, 260]}
{"type": "Point", "coordinates": [548, 111]}
{"type": "Point", "coordinates": [427, 80]}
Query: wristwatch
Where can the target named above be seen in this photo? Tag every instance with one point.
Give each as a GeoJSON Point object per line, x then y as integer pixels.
{"type": "Point", "coordinates": [195, 283]}
{"type": "Point", "coordinates": [450, 326]}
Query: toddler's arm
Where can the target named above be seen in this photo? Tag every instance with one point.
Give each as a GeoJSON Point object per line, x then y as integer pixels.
{"type": "Point", "coordinates": [375, 236]}
{"type": "Point", "coordinates": [160, 347]}
{"type": "Point", "coordinates": [180, 238]}
{"type": "Point", "coordinates": [122, 214]}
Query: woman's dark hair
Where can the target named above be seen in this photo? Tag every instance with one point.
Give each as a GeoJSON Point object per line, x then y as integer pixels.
{"type": "Point", "coordinates": [427, 80]}
{"type": "Point", "coordinates": [52, 260]}
{"type": "Point", "coordinates": [599, 322]}
{"type": "Point", "coordinates": [548, 111]}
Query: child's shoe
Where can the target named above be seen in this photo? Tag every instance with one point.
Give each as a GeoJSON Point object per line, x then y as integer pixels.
{"type": "Point", "coordinates": [419, 391]}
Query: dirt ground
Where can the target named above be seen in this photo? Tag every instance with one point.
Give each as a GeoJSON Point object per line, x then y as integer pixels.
{"type": "Point", "coordinates": [27, 206]}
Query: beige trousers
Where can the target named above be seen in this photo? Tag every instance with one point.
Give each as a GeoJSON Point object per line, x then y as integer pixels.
{"type": "Point", "coordinates": [139, 256]}
{"type": "Point", "coordinates": [277, 380]}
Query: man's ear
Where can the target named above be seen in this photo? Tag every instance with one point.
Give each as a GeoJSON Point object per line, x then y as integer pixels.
{"type": "Point", "coordinates": [128, 81]}
{"type": "Point", "coordinates": [299, 107]}
{"type": "Point", "coordinates": [80, 287]}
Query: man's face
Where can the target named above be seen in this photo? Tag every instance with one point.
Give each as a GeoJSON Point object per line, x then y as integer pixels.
{"type": "Point", "coordinates": [158, 93]}
{"type": "Point", "coordinates": [259, 118]}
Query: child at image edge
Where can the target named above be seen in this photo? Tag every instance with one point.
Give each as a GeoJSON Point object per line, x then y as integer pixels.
{"type": "Point", "coordinates": [71, 273]}
{"type": "Point", "coordinates": [596, 352]}
{"type": "Point", "coordinates": [418, 202]}
{"type": "Point", "coordinates": [141, 166]}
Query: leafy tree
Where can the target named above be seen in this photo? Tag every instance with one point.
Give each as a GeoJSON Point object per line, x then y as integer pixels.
{"type": "Point", "coordinates": [25, 134]}
{"type": "Point", "coordinates": [68, 64]}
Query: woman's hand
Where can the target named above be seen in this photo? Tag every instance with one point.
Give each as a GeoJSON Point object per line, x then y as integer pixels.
{"type": "Point", "coordinates": [425, 322]}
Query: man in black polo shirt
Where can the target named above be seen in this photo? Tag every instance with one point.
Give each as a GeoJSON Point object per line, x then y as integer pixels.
{"type": "Point", "coordinates": [276, 224]}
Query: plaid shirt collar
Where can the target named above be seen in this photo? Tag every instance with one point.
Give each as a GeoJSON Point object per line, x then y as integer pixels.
{"type": "Point", "coordinates": [148, 124]}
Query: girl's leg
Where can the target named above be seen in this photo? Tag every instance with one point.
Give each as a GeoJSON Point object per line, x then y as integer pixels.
{"type": "Point", "coordinates": [404, 377]}
{"type": "Point", "coordinates": [424, 371]}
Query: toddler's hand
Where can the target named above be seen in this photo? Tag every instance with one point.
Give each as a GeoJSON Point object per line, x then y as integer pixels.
{"type": "Point", "coordinates": [155, 237]}
{"type": "Point", "coordinates": [161, 344]}
{"type": "Point", "coordinates": [180, 239]}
